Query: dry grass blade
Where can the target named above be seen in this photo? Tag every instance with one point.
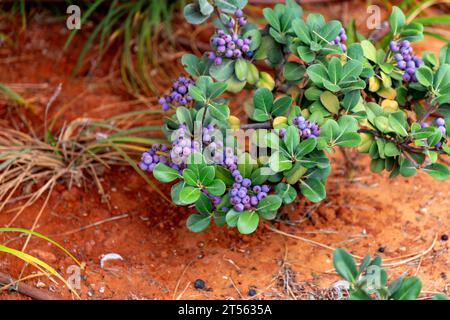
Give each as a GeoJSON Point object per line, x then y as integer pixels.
{"type": "Point", "coordinates": [83, 148]}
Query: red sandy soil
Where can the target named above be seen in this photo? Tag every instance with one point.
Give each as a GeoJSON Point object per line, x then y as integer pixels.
{"type": "Point", "coordinates": [161, 258]}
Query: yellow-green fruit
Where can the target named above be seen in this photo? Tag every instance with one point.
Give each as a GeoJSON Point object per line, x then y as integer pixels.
{"type": "Point", "coordinates": [366, 142]}
{"type": "Point", "coordinates": [374, 84]}
{"type": "Point", "coordinates": [279, 121]}
{"type": "Point", "coordinates": [235, 123]}
{"type": "Point", "coordinates": [389, 105]}
{"type": "Point", "coordinates": [306, 113]}
{"type": "Point", "coordinates": [265, 81]}
{"type": "Point", "coordinates": [387, 93]}
{"type": "Point", "coordinates": [253, 74]}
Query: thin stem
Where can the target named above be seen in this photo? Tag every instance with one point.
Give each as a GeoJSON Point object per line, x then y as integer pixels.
{"type": "Point", "coordinates": [261, 125]}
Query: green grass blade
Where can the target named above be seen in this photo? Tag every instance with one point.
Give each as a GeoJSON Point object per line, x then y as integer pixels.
{"type": "Point", "coordinates": [36, 234]}
{"type": "Point", "coordinates": [35, 261]}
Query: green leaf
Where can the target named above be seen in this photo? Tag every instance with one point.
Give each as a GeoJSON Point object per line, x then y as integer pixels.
{"type": "Point", "coordinates": [424, 76]}
{"type": "Point", "coordinates": [232, 218]}
{"type": "Point", "coordinates": [248, 222]}
{"type": "Point", "coordinates": [407, 168]}
{"type": "Point", "coordinates": [165, 173]}
{"type": "Point", "coordinates": [203, 204]}
{"type": "Point", "coordinates": [286, 192]}
{"type": "Point", "coordinates": [306, 54]}
{"type": "Point", "coordinates": [334, 70]}
{"type": "Point", "coordinates": [352, 68]}
{"type": "Point", "coordinates": [377, 165]}
{"type": "Point", "coordinates": [281, 105]}
{"type": "Point", "coordinates": [241, 69]}
{"type": "Point", "coordinates": [439, 296]}
{"type": "Point", "coordinates": [370, 52]}
{"type": "Point", "coordinates": [382, 123]}
{"type": "Point", "coordinates": [216, 188]}
{"type": "Point", "coordinates": [291, 139]}
{"type": "Point", "coordinates": [263, 100]}
{"type": "Point", "coordinates": [272, 19]}
{"type": "Point", "coordinates": [196, 93]}
{"type": "Point", "coordinates": [214, 90]}
{"type": "Point", "coordinates": [348, 140]}
{"type": "Point", "coordinates": [246, 164]}
{"type": "Point", "coordinates": [205, 7]}
{"type": "Point", "coordinates": [260, 115]}
{"type": "Point", "coordinates": [189, 195]}
{"type": "Point", "coordinates": [278, 162]}
{"type": "Point", "coordinates": [313, 190]}
{"type": "Point", "coordinates": [397, 19]}
{"type": "Point", "coordinates": [269, 203]}
{"type": "Point", "coordinates": [345, 265]}
{"type": "Point", "coordinates": [331, 30]}
{"type": "Point", "coordinates": [305, 147]}
{"type": "Point", "coordinates": [185, 116]}
{"type": "Point", "coordinates": [223, 71]}
{"type": "Point", "coordinates": [330, 130]}
{"type": "Point", "coordinates": [397, 123]}
{"type": "Point", "coordinates": [293, 71]}
{"type": "Point", "coordinates": [409, 289]}
{"type": "Point", "coordinates": [193, 14]}
{"type": "Point", "coordinates": [301, 30]}
{"type": "Point", "coordinates": [190, 177]}
{"type": "Point", "coordinates": [317, 73]}
{"type": "Point", "coordinates": [206, 175]}
{"type": "Point", "coordinates": [391, 150]}
{"type": "Point", "coordinates": [192, 64]}
{"type": "Point", "coordinates": [359, 294]}
{"type": "Point", "coordinates": [444, 55]}
{"type": "Point", "coordinates": [175, 192]}
{"type": "Point", "coordinates": [438, 171]}
{"type": "Point", "coordinates": [219, 111]}
{"type": "Point", "coordinates": [198, 222]}
{"type": "Point", "coordinates": [330, 101]}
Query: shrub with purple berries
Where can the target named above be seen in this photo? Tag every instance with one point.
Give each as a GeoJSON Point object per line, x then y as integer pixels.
{"type": "Point", "coordinates": [317, 93]}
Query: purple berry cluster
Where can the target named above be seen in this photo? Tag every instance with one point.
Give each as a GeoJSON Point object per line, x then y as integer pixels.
{"type": "Point", "coordinates": [405, 59]}
{"type": "Point", "coordinates": [228, 44]}
{"type": "Point", "coordinates": [179, 95]}
{"type": "Point", "coordinates": [243, 196]}
{"type": "Point", "coordinates": [341, 39]}
{"type": "Point", "coordinates": [156, 154]}
{"type": "Point", "coordinates": [306, 129]}
{"type": "Point", "coordinates": [440, 124]}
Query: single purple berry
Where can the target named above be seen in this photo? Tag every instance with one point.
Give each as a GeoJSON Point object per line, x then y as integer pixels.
{"type": "Point", "coordinates": [440, 122]}
{"type": "Point", "coordinates": [239, 207]}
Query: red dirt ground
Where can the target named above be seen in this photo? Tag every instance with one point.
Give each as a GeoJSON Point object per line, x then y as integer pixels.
{"type": "Point", "coordinates": [161, 258]}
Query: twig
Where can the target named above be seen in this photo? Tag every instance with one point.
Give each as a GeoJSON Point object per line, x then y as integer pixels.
{"type": "Point", "coordinates": [95, 224]}
{"type": "Point", "coordinates": [26, 289]}
{"type": "Point", "coordinates": [262, 125]}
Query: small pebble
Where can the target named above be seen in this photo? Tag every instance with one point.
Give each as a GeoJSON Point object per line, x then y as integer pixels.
{"type": "Point", "coordinates": [199, 284]}
{"type": "Point", "coordinates": [444, 237]}
{"type": "Point", "coordinates": [381, 249]}
{"type": "Point", "coordinates": [252, 292]}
